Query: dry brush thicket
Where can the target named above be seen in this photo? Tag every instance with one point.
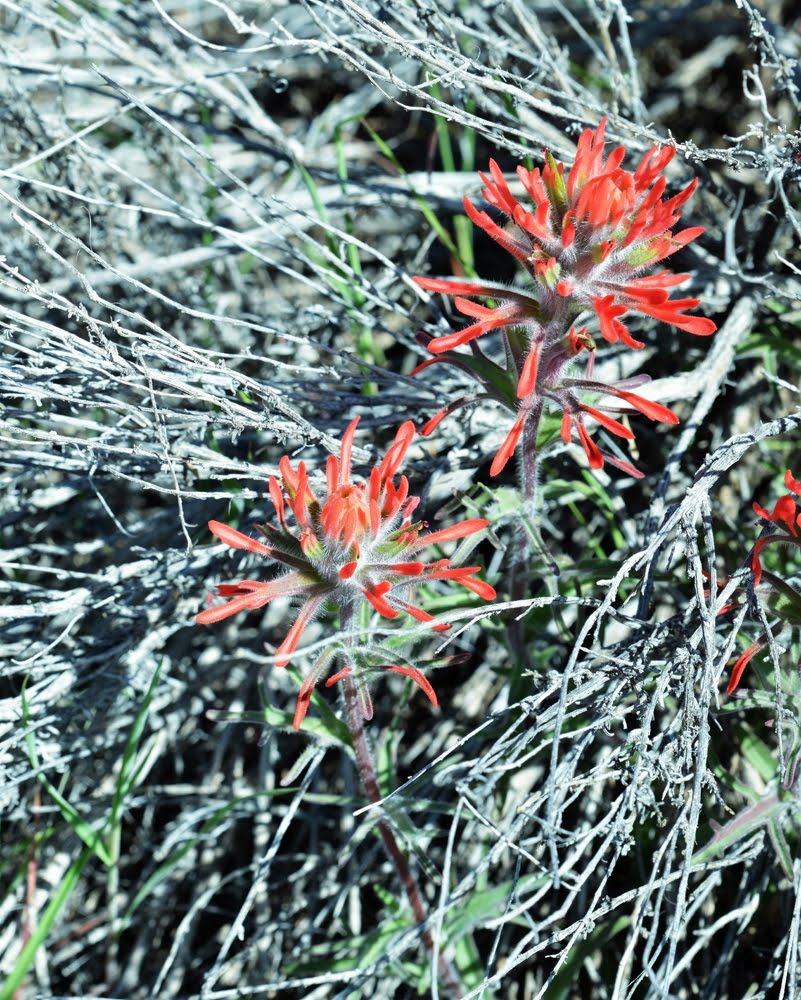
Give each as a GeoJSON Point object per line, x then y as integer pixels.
{"type": "Point", "coordinates": [191, 285]}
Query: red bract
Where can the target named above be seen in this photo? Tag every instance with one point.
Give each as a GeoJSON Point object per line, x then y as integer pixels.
{"type": "Point", "coordinates": [584, 242]}
{"type": "Point", "coordinates": [359, 543]}
{"type": "Point", "coordinates": [742, 662]}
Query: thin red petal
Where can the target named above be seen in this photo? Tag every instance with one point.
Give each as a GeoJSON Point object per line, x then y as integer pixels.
{"type": "Point", "coordinates": [507, 449]}
{"type": "Point", "coordinates": [346, 451]}
{"type": "Point", "coordinates": [381, 606]}
{"type": "Point", "coordinates": [301, 707]}
{"type": "Point", "coordinates": [284, 652]}
{"type": "Point", "coordinates": [528, 377]}
{"type": "Point", "coordinates": [500, 317]}
{"type": "Point", "coordinates": [397, 452]}
{"type": "Point", "coordinates": [407, 568]}
{"type": "Point", "coordinates": [460, 530]}
{"type": "Point", "coordinates": [452, 286]}
{"type": "Point", "coordinates": [420, 679]}
{"type": "Point", "coordinates": [742, 663]}
{"type": "Point", "coordinates": [245, 602]}
{"type": "Point", "coordinates": [655, 411]}
{"type": "Point", "coordinates": [338, 676]}
{"type": "Point", "coordinates": [613, 426]}
{"type": "Point", "coordinates": [591, 449]}
{"type": "Point", "coordinates": [230, 536]}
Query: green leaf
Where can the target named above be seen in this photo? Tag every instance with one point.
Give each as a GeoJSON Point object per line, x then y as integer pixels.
{"type": "Point", "coordinates": [426, 210]}
{"type": "Point", "coordinates": [45, 924]}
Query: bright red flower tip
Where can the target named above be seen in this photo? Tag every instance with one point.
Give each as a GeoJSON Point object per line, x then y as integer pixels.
{"type": "Point", "coordinates": [479, 587]}
{"type": "Point", "coordinates": [430, 425]}
{"type": "Point", "coordinates": [338, 676]}
{"type": "Point", "coordinates": [528, 377]}
{"type": "Point", "coordinates": [593, 453]}
{"type": "Point", "coordinates": [451, 286]}
{"type": "Point", "coordinates": [301, 708]}
{"type": "Point", "coordinates": [671, 313]}
{"type": "Point", "coordinates": [792, 483]}
{"type": "Point", "coordinates": [516, 248]}
{"type": "Point", "coordinates": [408, 568]}
{"type": "Point", "coordinates": [655, 411]}
{"type": "Point", "coordinates": [346, 452]}
{"type": "Point", "coordinates": [218, 612]}
{"type": "Point", "coordinates": [380, 604]}
{"type": "Point", "coordinates": [420, 679]}
{"type": "Point", "coordinates": [614, 426]}
{"type": "Point", "coordinates": [397, 452]}
{"type": "Point", "coordinates": [784, 512]}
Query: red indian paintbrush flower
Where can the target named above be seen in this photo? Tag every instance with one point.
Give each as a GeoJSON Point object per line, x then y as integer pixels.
{"type": "Point", "coordinates": [786, 600]}
{"type": "Point", "coordinates": [583, 243]}
{"type": "Point", "coordinates": [359, 543]}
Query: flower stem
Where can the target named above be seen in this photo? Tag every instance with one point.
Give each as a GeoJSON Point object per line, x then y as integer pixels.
{"type": "Point", "coordinates": [366, 768]}
{"type": "Point", "coordinates": [527, 535]}
{"type": "Point", "coordinates": [529, 462]}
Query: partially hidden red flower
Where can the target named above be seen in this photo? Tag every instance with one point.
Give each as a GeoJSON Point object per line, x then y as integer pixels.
{"type": "Point", "coordinates": [786, 515]}
{"type": "Point", "coordinates": [358, 543]}
{"type": "Point", "coordinates": [584, 242]}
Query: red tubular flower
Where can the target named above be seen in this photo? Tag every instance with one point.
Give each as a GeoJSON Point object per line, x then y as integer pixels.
{"type": "Point", "coordinates": [584, 243]}
{"type": "Point", "coordinates": [359, 543]}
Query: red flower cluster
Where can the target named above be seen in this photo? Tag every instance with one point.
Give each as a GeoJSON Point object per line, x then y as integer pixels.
{"type": "Point", "coordinates": [583, 243]}
{"type": "Point", "coordinates": [360, 543]}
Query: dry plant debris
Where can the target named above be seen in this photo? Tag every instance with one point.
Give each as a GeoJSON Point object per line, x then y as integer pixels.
{"type": "Point", "coordinates": [211, 216]}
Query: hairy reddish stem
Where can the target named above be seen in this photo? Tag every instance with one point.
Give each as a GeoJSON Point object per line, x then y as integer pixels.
{"type": "Point", "coordinates": [367, 773]}
{"type": "Point", "coordinates": [524, 542]}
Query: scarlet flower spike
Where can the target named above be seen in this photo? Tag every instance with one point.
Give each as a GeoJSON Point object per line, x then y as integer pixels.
{"type": "Point", "coordinates": [359, 543]}
{"type": "Point", "coordinates": [584, 240]}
